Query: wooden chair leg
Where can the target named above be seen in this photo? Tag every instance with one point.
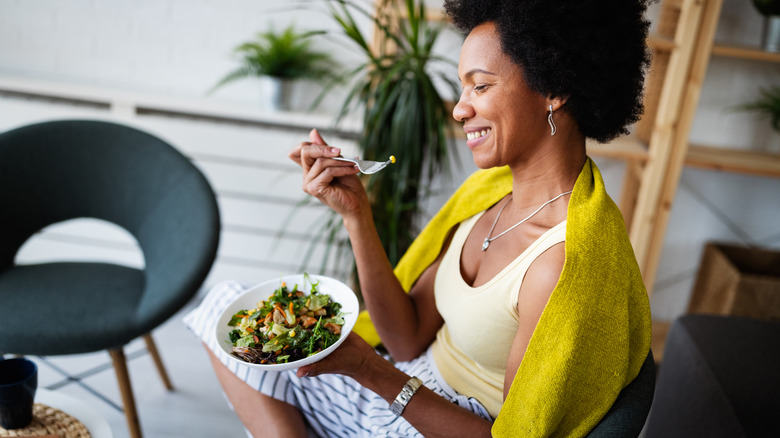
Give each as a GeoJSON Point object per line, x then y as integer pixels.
{"type": "Point", "coordinates": [128, 401]}
{"type": "Point", "coordinates": [152, 349]}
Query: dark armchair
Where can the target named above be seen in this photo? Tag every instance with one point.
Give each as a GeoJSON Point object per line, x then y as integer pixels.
{"type": "Point", "coordinates": [720, 378]}
{"type": "Point", "coordinates": [54, 171]}
{"type": "Point", "coordinates": [628, 414]}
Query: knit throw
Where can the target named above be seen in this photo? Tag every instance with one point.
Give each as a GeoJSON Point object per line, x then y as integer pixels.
{"type": "Point", "coordinates": [593, 335]}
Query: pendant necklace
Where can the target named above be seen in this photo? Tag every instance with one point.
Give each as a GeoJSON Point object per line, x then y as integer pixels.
{"type": "Point", "coordinates": [489, 239]}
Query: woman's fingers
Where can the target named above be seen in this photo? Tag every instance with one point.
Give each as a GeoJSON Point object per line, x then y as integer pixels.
{"type": "Point", "coordinates": [311, 153]}
{"type": "Point", "coordinates": [318, 179]}
{"type": "Point", "coordinates": [324, 178]}
{"type": "Point", "coordinates": [314, 139]}
{"type": "Point", "coordinates": [295, 153]}
{"type": "Point", "coordinates": [348, 359]}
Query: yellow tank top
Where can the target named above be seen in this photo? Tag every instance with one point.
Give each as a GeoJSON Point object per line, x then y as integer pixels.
{"type": "Point", "coordinates": [480, 323]}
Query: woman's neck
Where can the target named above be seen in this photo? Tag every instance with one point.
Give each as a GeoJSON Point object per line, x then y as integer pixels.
{"type": "Point", "coordinates": [551, 171]}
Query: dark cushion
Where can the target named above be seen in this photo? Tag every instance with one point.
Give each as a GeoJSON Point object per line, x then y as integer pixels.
{"type": "Point", "coordinates": [719, 378]}
{"type": "Point", "coordinates": [73, 307]}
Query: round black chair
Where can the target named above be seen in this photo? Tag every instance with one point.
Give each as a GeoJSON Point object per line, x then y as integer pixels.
{"type": "Point", "coordinates": [55, 171]}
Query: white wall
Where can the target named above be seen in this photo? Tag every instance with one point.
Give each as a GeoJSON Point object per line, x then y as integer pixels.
{"type": "Point", "coordinates": [171, 47]}
{"type": "Point", "coordinates": [180, 48]}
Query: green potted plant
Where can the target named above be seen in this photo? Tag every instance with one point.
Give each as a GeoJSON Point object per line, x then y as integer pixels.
{"type": "Point", "coordinates": [404, 114]}
{"type": "Point", "coordinates": [767, 105]}
{"type": "Point", "coordinates": [276, 59]}
{"type": "Point", "coordinates": [770, 9]}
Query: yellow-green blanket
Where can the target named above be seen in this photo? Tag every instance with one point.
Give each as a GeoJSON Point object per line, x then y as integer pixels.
{"type": "Point", "coordinates": [594, 333]}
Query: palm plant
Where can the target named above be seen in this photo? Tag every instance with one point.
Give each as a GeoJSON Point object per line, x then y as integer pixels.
{"type": "Point", "coordinates": [404, 114]}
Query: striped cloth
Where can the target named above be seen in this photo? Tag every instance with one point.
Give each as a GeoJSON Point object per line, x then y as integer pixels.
{"type": "Point", "coordinates": [333, 405]}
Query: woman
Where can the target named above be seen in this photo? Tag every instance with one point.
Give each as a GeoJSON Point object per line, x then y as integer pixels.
{"type": "Point", "coordinates": [520, 306]}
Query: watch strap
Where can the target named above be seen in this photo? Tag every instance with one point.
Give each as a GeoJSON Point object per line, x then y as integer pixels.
{"type": "Point", "coordinates": [409, 389]}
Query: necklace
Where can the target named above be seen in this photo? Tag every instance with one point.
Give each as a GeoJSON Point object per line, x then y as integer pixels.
{"type": "Point", "coordinates": [488, 239]}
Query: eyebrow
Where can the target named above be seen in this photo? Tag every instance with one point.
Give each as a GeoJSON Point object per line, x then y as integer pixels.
{"type": "Point", "coordinates": [471, 73]}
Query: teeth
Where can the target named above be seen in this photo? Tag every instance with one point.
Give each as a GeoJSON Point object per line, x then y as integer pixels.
{"type": "Point", "coordinates": [477, 134]}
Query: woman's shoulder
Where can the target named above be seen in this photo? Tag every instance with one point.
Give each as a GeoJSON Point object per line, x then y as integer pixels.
{"type": "Point", "coordinates": [544, 273]}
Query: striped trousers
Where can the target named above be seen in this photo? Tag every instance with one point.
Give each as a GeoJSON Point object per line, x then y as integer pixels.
{"type": "Point", "coordinates": [332, 405]}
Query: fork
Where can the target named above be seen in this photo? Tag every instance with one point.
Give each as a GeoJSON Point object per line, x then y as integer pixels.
{"type": "Point", "coordinates": [367, 166]}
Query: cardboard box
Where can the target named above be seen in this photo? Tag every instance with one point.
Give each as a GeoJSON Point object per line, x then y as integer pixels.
{"type": "Point", "coordinates": [737, 280]}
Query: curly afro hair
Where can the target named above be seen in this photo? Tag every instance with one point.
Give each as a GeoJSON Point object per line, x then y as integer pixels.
{"type": "Point", "coordinates": [592, 52]}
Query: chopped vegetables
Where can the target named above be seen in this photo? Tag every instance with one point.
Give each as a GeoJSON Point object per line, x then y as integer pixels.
{"type": "Point", "coordinates": [290, 321]}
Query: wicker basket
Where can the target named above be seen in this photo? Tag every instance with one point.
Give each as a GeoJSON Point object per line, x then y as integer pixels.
{"type": "Point", "coordinates": [49, 421]}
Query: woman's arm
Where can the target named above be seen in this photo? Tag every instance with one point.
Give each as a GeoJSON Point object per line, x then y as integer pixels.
{"type": "Point", "coordinates": [407, 323]}
{"type": "Point", "coordinates": [430, 414]}
{"type": "Point", "coordinates": [538, 284]}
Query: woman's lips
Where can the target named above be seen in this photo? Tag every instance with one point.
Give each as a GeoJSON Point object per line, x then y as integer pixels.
{"type": "Point", "coordinates": [477, 136]}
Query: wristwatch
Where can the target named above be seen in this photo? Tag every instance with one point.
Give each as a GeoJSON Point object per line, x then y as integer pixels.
{"type": "Point", "coordinates": [411, 387]}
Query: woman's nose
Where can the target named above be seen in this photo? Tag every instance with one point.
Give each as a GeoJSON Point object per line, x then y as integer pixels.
{"type": "Point", "coordinates": [463, 109]}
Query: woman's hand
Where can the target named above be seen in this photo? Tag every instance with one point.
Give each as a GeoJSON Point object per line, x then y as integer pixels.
{"type": "Point", "coordinates": [334, 183]}
{"type": "Point", "coordinates": [428, 412]}
{"type": "Point", "coordinates": [352, 357]}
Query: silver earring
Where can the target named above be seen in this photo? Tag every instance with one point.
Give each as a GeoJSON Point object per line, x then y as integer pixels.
{"type": "Point", "coordinates": [553, 128]}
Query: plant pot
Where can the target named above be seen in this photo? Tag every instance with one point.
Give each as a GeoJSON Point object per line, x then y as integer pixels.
{"type": "Point", "coordinates": [275, 93]}
{"type": "Point", "coordinates": [771, 35]}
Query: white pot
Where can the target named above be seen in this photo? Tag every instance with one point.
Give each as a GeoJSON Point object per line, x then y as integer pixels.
{"type": "Point", "coordinates": [771, 37]}
{"type": "Point", "coordinates": [275, 93]}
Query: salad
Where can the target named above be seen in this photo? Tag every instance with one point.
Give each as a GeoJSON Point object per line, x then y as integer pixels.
{"type": "Point", "coordinates": [286, 327]}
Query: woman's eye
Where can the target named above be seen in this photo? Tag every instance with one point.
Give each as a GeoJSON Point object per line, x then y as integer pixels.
{"type": "Point", "coordinates": [480, 88]}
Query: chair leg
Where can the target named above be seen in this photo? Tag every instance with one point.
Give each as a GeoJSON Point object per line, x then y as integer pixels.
{"type": "Point", "coordinates": [128, 401]}
{"type": "Point", "coordinates": [152, 349]}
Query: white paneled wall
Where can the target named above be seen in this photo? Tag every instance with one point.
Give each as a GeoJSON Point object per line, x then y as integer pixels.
{"type": "Point", "coordinates": [171, 47]}
{"type": "Point", "coordinates": [258, 190]}
{"type": "Point", "coordinates": [173, 51]}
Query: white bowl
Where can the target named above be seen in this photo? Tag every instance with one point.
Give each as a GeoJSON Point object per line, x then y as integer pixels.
{"type": "Point", "coordinates": [338, 291]}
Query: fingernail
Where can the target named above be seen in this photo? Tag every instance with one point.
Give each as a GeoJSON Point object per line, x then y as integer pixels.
{"type": "Point", "coordinates": [335, 151]}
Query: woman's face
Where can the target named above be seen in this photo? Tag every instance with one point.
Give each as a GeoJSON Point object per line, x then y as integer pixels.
{"type": "Point", "coordinates": [504, 120]}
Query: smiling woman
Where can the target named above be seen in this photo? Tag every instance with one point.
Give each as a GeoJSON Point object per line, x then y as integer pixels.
{"type": "Point", "coordinates": [520, 306]}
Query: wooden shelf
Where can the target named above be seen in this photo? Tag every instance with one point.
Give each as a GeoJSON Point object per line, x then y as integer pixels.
{"type": "Point", "coordinates": [658, 343]}
{"type": "Point", "coordinates": [706, 157]}
{"type": "Point", "coordinates": [662, 43]}
{"type": "Point", "coordinates": [730, 160]}
{"type": "Point", "coordinates": [622, 148]}
{"type": "Point", "coordinates": [677, 4]}
{"type": "Point", "coordinates": [745, 52]}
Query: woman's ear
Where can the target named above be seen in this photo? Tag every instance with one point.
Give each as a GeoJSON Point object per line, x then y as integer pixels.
{"type": "Point", "coordinates": [557, 102]}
